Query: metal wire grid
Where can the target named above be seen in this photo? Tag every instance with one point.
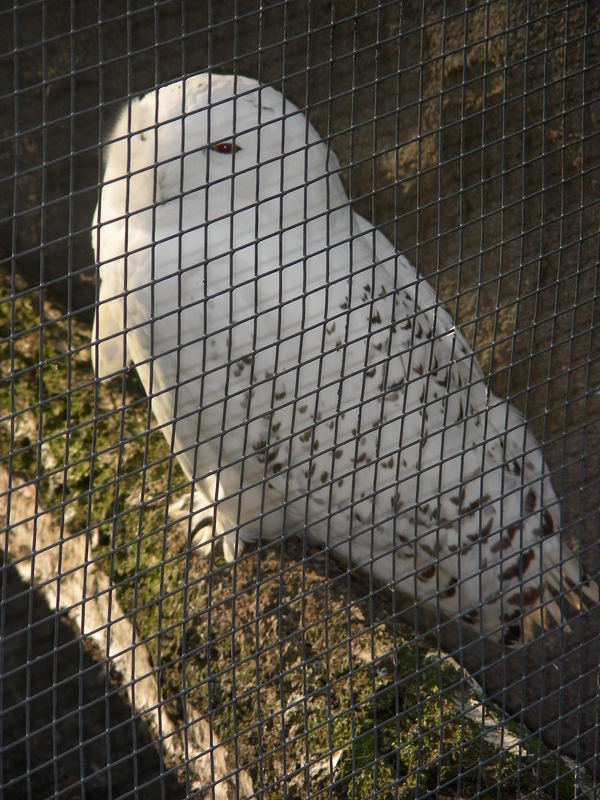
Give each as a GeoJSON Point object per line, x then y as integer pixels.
{"type": "Point", "coordinates": [130, 666]}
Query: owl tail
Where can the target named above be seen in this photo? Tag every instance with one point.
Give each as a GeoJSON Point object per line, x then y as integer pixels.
{"type": "Point", "coordinates": [561, 586]}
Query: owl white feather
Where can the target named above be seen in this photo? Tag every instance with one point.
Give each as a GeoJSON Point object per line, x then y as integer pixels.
{"type": "Point", "coordinates": [305, 376]}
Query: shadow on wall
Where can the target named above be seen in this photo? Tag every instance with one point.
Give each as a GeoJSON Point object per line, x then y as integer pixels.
{"type": "Point", "coordinates": [65, 716]}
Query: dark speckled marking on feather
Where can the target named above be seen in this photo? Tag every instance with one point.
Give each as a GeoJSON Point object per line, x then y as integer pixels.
{"type": "Point", "coordinates": [547, 523]}
{"type": "Point", "coordinates": [511, 635]}
{"type": "Point", "coordinates": [427, 573]}
{"type": "Point", "coordinates": [477, 503]}
{"type": "Point", "coordinates": [530, 501]}
{"type": "Point", "coordinates": [512, 530]}
{"type": "Point", "coordinates": [450, 589]}
{"type": "Point", "coordinates": [502, 544]}
{"type": "Point", "coordinates": [529, 597]}
{"type": "Point", "coordinates": [519, 567]}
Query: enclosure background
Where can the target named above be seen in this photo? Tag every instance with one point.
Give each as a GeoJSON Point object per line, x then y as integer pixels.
{"type": "Point", "coordinates": [470, 133]}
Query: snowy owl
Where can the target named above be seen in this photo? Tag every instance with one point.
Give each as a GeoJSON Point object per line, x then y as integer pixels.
{"type": "Point", "coordinates": [305, 376]}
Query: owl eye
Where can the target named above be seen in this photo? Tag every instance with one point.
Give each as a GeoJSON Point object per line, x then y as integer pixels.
{"type": "Point", "coordinates": [225, 147]}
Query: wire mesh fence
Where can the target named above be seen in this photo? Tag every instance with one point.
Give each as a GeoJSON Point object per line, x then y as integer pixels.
{"type": "Point", "coordinates": [283, 514]}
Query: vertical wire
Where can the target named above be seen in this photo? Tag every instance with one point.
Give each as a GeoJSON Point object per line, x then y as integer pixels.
{"type": "Point", "coordinates": [89, 523]}
{"type": "Point", "coordinates": [40, 404]}
{"type": "Point", "coordinates": [397, 209]}
{"type": "Point", "coordinates": [594, 324]}
{"type": "Point", "coordinates": [211, 558]}
{"type": "Point", "coordinates": [328, 697]}
{"type": "Point", "coordinates": [155, 133]}
{"type": "Point", "coordinates": [13, 408]}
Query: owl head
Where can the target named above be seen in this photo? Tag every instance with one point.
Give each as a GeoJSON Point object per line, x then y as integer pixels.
{"type": "Point", "coordinates": [226, 139]}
